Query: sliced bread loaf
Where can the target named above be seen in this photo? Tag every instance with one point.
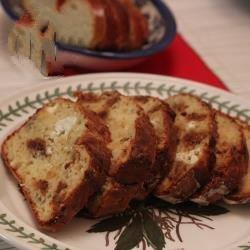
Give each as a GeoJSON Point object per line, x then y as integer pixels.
{"type": "Point", "coordinates": [133, 156]}
{"type": "Point", "coordinates": [193, 159]}
{"type": "Point", "coordinates": [58, 160]}
{"type": "Point", "coordinates": [139, 31]}
{"type": "Point", "coordinates": [123, 27]}
{"type": "Point", "coordinates": [231, 161]}
{"type": "Point", "coordinates": [133, 141]}
{"type": "Point", "coordinates": [242, 194]}
{"type": "Point", "coordinates": [162, 119]}
{"type": "Point", "coordinates": [80, 22]}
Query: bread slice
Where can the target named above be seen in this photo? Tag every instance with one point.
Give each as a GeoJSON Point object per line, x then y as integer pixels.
{"type": "Point", "coordinates": [35, 41]}
{"type": "Point", "coordinates": [162, 119]}
{"type": "Point", "coordinates": [231, 161]}
{"type": "Point", "coordinates": [58, 160]}
{"type": "Point", "coordinates": [132, 158]}
{"type": "Point", "coordinates": [193, 159]}
{"type": "Point", "coordinates": [80, 22]}
{"type": "Point", "coordinates": [117, 20]}
{"type": "Point", "coordinates": [139, 30]}
{"type": "Point", "coordinates": [76, 22]}
{"type": "Point", "coordinates": [133, 141]}
{"type": "Point", "coordinates": [39, 9]}
{"type": "Point", "coordinates": [242, 194]}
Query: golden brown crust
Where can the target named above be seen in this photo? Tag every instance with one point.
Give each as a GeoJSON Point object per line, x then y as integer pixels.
{"type": "Point", "coordinates": [94, 178]}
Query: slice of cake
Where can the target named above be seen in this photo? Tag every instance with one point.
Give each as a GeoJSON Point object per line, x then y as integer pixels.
{"type": "Point", "coordinates": [138, 24]}
{"type": "Point", "coordinates": [231, 161]}
{"type": "Point", "coordinates": [162, 119]}
{"type": "Point", "coordinates": [242, 194]}
{"type": "Point", "coordinates": [59, 160]}
{"type": "Point", "coordinates": [132, 144]}
{"type": "Point", "coordinates": [80, 22]}
{"type": "Point", "coordinates": [194, 157]}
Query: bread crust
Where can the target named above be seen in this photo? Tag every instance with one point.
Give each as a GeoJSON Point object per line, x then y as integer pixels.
{"type": "Point", "coordinates": [242, 194]}
{"type": "Point", "coordinates": [100, 22]}
{"type": "Point", "coordinates": [109, 39]}
{"type": "Point", "coordinates": [139, 30]}
{"type": "Point", "coordinates": [178, 187]}
{"type": "Point", "coordinates": [142, 155]}
{"type": "Point", "coordinates": [121, 27]}
{"type": "Point", "coordinates": [94, 178]}
{"type": "Point", "coordinates": [124, 179]}
{"type": "Point", "coordinates": [230, 167]}
{"type": "Point", "coordinates": [165, 144]}
{"type": "Point", "coordinates": [112, 200]}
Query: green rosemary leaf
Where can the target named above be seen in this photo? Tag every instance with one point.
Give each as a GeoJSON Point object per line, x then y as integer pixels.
{"type": "Point", "coordinates": [153, 232]}
{"type": "Point", "coordinates": [131, 236]}
{"type": "Point", "coordinates": [111, 224]}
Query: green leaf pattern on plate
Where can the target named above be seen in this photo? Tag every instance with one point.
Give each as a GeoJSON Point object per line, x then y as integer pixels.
{"type": "Point", "coordinates": [31, 237]}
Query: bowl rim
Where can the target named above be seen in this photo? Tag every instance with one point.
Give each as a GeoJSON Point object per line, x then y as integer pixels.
{"type": "Point", "coordinates": [168, 37]}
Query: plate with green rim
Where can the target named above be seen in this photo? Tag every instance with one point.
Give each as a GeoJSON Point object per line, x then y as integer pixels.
{"type": "Point", "coordinates": [153, 224]}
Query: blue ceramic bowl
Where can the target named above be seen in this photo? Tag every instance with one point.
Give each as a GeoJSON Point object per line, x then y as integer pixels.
{"type": "Point", "coordinates": [162, 28]}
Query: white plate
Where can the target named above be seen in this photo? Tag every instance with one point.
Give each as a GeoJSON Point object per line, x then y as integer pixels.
{"type": "Point", "coordinates": [230, 230]}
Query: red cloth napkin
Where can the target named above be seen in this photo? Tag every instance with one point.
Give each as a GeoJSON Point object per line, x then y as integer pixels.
{"type": "Point", "coordinates": [178, 60]}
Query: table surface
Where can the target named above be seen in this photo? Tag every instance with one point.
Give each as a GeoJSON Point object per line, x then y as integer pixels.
{"type": "Point", "coordinates": [218, 31]}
